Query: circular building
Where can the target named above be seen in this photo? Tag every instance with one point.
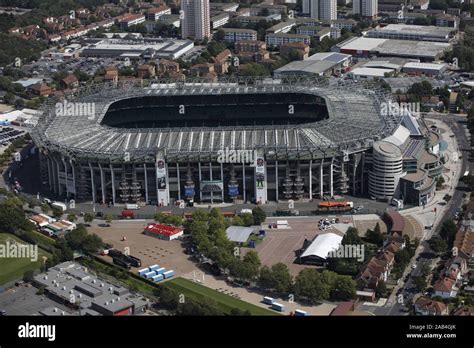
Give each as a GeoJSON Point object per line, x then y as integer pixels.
{"type": "Point", "coordinates": [387, 169]}
{"type": "Point", "coordinates": [242, 139]}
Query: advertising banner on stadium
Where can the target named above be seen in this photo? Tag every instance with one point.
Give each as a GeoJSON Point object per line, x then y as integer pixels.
{"type": "Point", "coordinates": [260, 181]}
{"type": "Point", "coordinates": [161, 181]}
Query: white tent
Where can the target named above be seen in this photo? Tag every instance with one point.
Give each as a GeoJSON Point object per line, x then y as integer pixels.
{"type": "Point", "coordinates": [322, 245]}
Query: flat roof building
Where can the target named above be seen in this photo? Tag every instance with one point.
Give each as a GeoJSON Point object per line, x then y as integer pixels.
{"type": "Point", "coordinates": [155, 48]}
{"type": "Point", "coordinates": [413, 32]}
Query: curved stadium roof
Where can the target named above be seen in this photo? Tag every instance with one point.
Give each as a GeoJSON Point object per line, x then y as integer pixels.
{"type": "Point", "coordinates": [354, 122]}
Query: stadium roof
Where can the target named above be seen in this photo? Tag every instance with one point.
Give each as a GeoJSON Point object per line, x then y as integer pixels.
{"type": "Point", "coordinates": [239, 234]}
{"type": "Point", "coordinates": [322, 245]}
{"type": "Point", "coordinates": [354, 122]}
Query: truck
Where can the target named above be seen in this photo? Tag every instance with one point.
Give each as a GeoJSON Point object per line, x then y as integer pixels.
{"type": "Point", "coordinates": [278, 307]}
{"type": "Point", "coordinates": [127, 214]}
{"type": "Point", "coordinates": [132, 260]}
{"type": "Point", "coordinates": [59, 205]}
{"type": "Point", "coordinates": [268, 300]}
{"type": "Point", "coordinates": [121, 263]}
{"type": "Point", "coordinates": [131, 206]}
{"type": "Point", "coordinates": [168, 274]}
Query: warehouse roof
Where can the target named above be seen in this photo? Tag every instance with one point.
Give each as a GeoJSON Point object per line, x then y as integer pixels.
{"type": "Point", "coordinates": [239, 234]}
{"type": "Point", "coordinates": [372, 72]}
{"type": "Point", "coordinates": [322, 245]}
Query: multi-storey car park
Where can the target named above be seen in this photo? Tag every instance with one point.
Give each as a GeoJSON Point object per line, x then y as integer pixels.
{"type": "Point", "coordinates": [160, 141]}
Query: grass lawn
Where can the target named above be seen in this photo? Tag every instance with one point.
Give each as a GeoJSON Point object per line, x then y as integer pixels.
{"type": "Point", "coordinates": [14, 268]}
{"type": "Point", "coordinates": [225, 302]}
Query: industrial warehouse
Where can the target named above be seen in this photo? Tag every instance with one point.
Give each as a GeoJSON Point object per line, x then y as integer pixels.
{"type": "Point", "coordinates": [308, 139]}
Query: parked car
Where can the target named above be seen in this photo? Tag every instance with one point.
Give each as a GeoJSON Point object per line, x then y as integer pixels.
{"type": "Point", "coordinates": [104, 225]}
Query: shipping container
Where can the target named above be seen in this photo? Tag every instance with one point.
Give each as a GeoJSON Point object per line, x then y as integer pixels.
{"type": "Point", "coordinates": [168, 274]}
{"type": "Point", "coordinates": [300, 313]}
{"type": "Point", "coordinates": [157, 278]}
{"type": "Point", "coordinates": [144, 271]}
{"type": "Point", "coordinates": [150, 275]}
{"type": "Point", "coordinates": [268, 300]}
{"type": "Point", "coordinates": [160, 270]}
{"type": "Point", "coordinates": [278, 307]}
{"type": "Point", "coordinates": [154, 267]}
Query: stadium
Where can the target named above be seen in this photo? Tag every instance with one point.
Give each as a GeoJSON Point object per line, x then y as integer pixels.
{"type": "Point", "coordinates": [156, 142]}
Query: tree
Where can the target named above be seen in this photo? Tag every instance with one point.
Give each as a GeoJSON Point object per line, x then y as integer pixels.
{"type": "Point", "coordinates": [420, 283]}
{"type": "Point", "coordinates": [12, 217]}
{"type": "Point", "coordinates": [259, 215]}
{"type": "Point", "coordinates": [344, 288]}
{"type": "Point", "coordinates": [108, 218]}
{"type": "Point", "coordinates": [71, 217]}
{"type": "Point", "coordinates": [439, 182]}
{"type": "Point", "coordinates": [438, 245]}
{"type": "Point", "coordinates": [375, 236]}
{"type": "Point", "coordinates": [448, 232]}
{"type": "Point", "coordinates": [28, 276]}
{"type": "Point", "coordinates": [381, 289]}
{"type": "Point", "coordinates": [277, 278]}
{"type": "Point", "coordinates": [351, 237]}
{"type": "Point", "coordinates": [45, 208]}
{"type": "Point", "coordinates": [402, 257]}
{"type": "Point", "coordinates": [88, 218]}
{"type": "Point", "coordinates": [57, 212]}
{"type": "Point", "coordinates": [282, 278]}
{"type": "Point", "coordinates": [309, 285]}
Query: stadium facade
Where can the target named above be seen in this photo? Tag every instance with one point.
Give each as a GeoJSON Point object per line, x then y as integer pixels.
{"type": "Point", "coordinates": [242, 139]}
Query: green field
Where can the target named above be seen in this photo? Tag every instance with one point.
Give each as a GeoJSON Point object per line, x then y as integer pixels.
{"type": "Point", "coordinates": [225, 302]}
{"type": "Point", "coordinates": [14, 268]}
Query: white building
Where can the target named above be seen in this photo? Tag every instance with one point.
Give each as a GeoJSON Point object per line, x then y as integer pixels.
{"type": "Point", "coordinates": [282, 38]}
{"type": "Point", "coordinates": [238, 34]}
{"type": "Point", "coordinates": [366, 8]}
{"type": "Point", "coordinates": [321, 9]}
{"type": "Point", "coordinates": [196, 22]}
{"type": "Point", "coordinates": [387, 166]}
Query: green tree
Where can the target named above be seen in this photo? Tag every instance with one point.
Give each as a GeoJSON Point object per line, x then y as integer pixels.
{"type": "Point", "coordinates": [448, 232]}
{"type": "Point", "coordinates": [28, 276]}
{"type": "Point", "coordinates": [420, 283]}
{"type": "Point", "coordinates": [381, 289]}
{"type": "Point", "coordinates": [45, 208]}
{"type": "Point", "coordinates": [71, 217]}
{"type": "Point", "coordinates": [375, 236]}
{"type": "Point", "coordinates": [438, 245]}
{"type": "Point", "coordinates": [309, 285]}
{"type": "Point", "coordinates": [344, 288]}
{"type": "Point", "coordinates": [57, 212]}
{"type": "Point", "coordinates": [88, 218]}
{"type": "Point", "coordinates": [351, 237]}
{"type": "Point", "coordinates": [108, 218]}
{"type": "Point", "coordinates": [259, 215]}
